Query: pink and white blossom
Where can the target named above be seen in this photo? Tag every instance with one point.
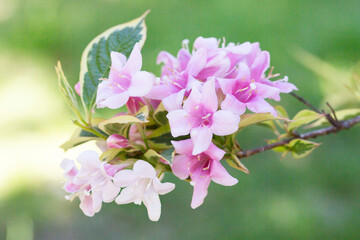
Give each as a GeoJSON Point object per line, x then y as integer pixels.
{"type": "Point", "coordinates": [202, 168]}
{"type": "Point", "coordinates": [201, 118]}
{"type": "Point", "coordinates": [92, 183]}
{"type": "Point", "coordinates": [125, 80]}
{"type": "Point", "coordinates": [142, 185]}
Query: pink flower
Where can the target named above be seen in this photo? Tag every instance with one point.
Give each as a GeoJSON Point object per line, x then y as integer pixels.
{"type": "Point", "coordinates": [117, 141]}
{"type": "Point", "coordinates": [200, 117]}
{"type": "Point", "coordinates": [244, 92]}
{"type": "Point", "coordinates": [93, 183]}
{"type": "Point", "coordinates": [202, 168]}
{"type": "Point", "coordinates": [125, 80]}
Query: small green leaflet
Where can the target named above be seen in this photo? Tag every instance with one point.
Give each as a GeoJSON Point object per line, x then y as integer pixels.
{"type": "Point", "coordinates": [302, 118]}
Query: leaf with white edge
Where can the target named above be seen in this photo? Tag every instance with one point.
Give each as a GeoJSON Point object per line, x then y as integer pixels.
{"type": "Point", "coordinates": [341, 115]}
{"type": "Point", "coordinates": [66, 90]}
{"type": "Point", "coordinates": [160, 115]}
{"type": "Point", "coordinates": [302, 118]}
{"type": "Point", "coordinates": [234, 162]}
{"type": "Point", "coordinates": [248, 119]}
{"type": "Point", "coordinates": [161, 138]}
{"type": "Point", "coordinates": [96, 61]}
{"type": "Point", "coordinates": [119, 124]}
{"type": "Point", "coordinates": [143, 114]}
{"type": "Point", "coordinates": [168, 154]}
{"type": "Point", "coordinates": [110, 154]}
{"type": "Point", "coordinates": [79, 137]}
{"type": "Point", "coordinates": [155, 157]}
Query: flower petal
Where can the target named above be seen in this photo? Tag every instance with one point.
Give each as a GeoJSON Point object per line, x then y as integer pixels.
{"type": "Point", "coordinates": [200, 190]}
{"type": "Point", "coordinates": [183, 147]}
{"type": "Point", "coordinates": [86, 205]}
{"type": "Point", "coordinates": [201, 138]}
{"type": "Point", "coordinates": [197, 62]}
{"type": "Point", "coordinates": [208, 96]}
{"type": "Point", "coordinates": [214, 152]}
{"type": "Point", "coordinates": [127, 195]}
{"type": "Point", "coordinates": [233, 105]}
{"type": "Point", "coordinates": [179, 124]}
{"type": "Point", "coordinates": [124, 178]}
{"type": "Point", "coordinates": [174, 101]}
{"type": "Point", "coordinates": [134, 62]}
{"type": "Point", "coordinates": [226, 85]}
{"type": "Point", "coordinates": [180, 166]}
{"type": "Point", "coordinates": [219, 175]}
{"type": "Point", "coordinates": [110, 191]}
{"type": "Point", "coordinates": [117, 60]}
{"type": "Point", "coordinates": [144, 169]}
{"type": "Point", "coordinates": [153, 205]}
{"type": "Point", "coordinates": [193, 100]}
{"type": "Point", "coordinates": [141, 84]}
{"type": "Point", "coordinates": [259, 105]}
{"type": "Point", "coordinates": [162, 188]}
{"type": "Point", "coordinates": [224, 123]}
{"type": "Point", "coordinates": [115, 101]}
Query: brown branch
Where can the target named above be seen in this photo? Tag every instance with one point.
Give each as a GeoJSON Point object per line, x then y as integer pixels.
{"type": "Point", "coordinates": [312, 134]}
{"type": "Point", "coordinates": [301, 99]}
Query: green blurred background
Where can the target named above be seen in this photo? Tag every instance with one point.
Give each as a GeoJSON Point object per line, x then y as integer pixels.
{"type": "Point", "coordinates": [312, 198]}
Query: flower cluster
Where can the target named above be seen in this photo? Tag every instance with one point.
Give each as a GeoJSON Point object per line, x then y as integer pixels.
{"type": "Point", "coordinates": [203, 93]}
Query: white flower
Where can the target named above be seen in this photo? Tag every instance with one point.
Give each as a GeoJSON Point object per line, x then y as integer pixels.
{"type": "Point", "coordinates": [142, 185]}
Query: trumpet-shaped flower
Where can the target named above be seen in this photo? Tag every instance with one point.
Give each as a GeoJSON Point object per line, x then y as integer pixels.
{"type": "Point", "coordinates": [200, 117]}
{"type": "Point", "coordinates": [125, 80]}
{"type": "Point", "coordinates": [142, 185]}
{"type": "Point", "coordinates": [93, 183]}
{"type": "Point", "coordinates": [202, 168]}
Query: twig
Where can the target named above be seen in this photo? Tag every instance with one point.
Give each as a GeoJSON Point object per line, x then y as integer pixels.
{"type": "Point", "coordinates": [312, 134]}
{"type": "Point", "coordinates": [301, 99]}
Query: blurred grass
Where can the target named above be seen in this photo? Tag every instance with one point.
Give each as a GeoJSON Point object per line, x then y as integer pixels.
{"type": "Point", "coordinates": [312, 198]}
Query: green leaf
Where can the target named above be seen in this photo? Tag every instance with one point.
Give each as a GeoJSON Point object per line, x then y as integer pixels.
{"type": "Point", "coordinates": [66, 90]}
{"type": "Point", "coordinates": [234, 162]}
{"type": "Point", "coordinates": [95, 60]}
{"type": "Point", "coordinates": [79, 137]}
{"type": "Point", "coordinates": [166, 157]}
{"type": "Point", "coordinates": [143, 114]}
{"type": "Point", "coordinates": [299, 148]}
{"type": "Point", "coordinates": [161, 138]}
{"type": "Point", "coordinates": [302, 118]}
{"type": "Point", "coordinates": [248, 119]}
{"type": "Point", "coordinates": [160, 115]}
{"type": "Point", "coordinates": [120, 124]}
{"type": "Point", "coordinates": [110, 154]}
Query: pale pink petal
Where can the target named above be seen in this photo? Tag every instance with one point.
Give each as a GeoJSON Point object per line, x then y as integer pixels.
{"type": "Point", "coordinates": [259, 105]}
{"type": "Point", "coordinates": [117, 60]}
{"type": "Point", "coordinates": [71, 187]}
{"type": "Point", "coordinates": [219, 175]}
{"type": "Point", "coordinates": [284, 86]}
{"type": "Point", "coordinates": [70, 170]}
{"type": "Point", "coordinates": [174, 101]}
{"type": "Point", "coordinates": [78, 88]}
{"type": "Point", "coordinates": [117, 141]}
{"type": "Point", "coordinates": [226, 85]}
{"type": "Point", "coordinates": [180, 166]}
{"type": "Point", "coordinates": [144, 169]}
{"type": "Point", "coordinates": [193, 100]}
{"type": "Point", "coordinates": [89, 160]}
{"type": "Point", "coordinates": [97, 200]}
{"type": "Point", "coordinates": [86, 205]}
{"type": "Point", "coordinates": [207, 43]}
{"type": "Point", "coordinates": [261, 63]}
{"type": "Point", "coordinates": [179, 124]}
{"type": "Point", "coordinates": [115, 101]}
{"type": "Point", "coordinates": [197, 62]}
{"type": "Point", "coordinates": [266, 91]}
{"type": "Point", "coordinates": [214, 152]}
{"type": "Point", "coordinates": [183, 147]}
{"type": "Point", "coordinates": [141, 84]}
{"type": "Point", "coordinates": [200, 190]}
{"type": "Point", "coordinates": [208, 96]}
{"type": "Point", "coordinates": [134, 62]}
{"type": "Point", "coordinates": [153, 205]}
{"type": "Point", "coordinates": [233, 105]}
{"type": "Point", "coordinates": [127, 195]}
{"type": "Point", "coordinates": [162, 188]}
{"type": "Point", "coordinates": [110, 191]}
{"type": "Point", "coordinates": [201, 138]}
{"type": "Point", "coordinates": [169, 60]}
{"type": "Point", "coordinates": [224, 123]}
{"type": "Point", "coordinates": [184, 58]}
{"type": "Point", "coordinates": [124, 178]}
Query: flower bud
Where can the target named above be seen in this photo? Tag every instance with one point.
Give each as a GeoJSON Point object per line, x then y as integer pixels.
{"type": "Point", "coordinates": [117, 141]}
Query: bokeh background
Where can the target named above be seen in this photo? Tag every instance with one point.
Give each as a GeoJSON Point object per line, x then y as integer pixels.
{"type": "Point", "coordinates": [317, 197]}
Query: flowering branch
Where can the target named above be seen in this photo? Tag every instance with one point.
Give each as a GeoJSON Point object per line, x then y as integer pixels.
{"type": "Point", "coordinates": [309, 135]}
